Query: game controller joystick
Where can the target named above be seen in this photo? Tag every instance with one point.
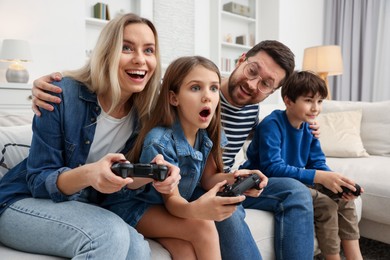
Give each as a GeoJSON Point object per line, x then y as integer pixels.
{"type": "Point", "coordinates": [155, 171]}
{"type": "Point", "coordinates": [241, 185]}
{"type": "Point", "coordinates": [346, 190]}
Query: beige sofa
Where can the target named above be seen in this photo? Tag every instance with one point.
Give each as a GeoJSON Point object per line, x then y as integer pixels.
{"type": "Point", "coordinates": [16, 129]}
{"type": "Point", "coordinates": [373, 171]}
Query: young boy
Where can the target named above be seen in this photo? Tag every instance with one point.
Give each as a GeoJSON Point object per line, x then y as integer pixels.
{"type": "Point", "coordinates": [283, 146]}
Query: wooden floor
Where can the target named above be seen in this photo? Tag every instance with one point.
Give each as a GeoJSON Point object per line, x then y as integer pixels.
{"type": "Point", "coordinates": [371, 250]}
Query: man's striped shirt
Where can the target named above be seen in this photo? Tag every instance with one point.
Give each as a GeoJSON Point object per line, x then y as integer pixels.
{"type": "Point", "coordinates": [237, 123]}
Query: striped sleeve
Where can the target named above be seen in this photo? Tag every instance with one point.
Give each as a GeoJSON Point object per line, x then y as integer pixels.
{"type": "Point", "coordinates": [237, 122]}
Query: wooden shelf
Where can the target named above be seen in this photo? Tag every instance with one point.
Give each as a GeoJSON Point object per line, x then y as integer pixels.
{"type": "Point", "coordinates": [238, 17]}
{"type": "Point", "coordinates": [95, 21]}
{"type": "Point", "coordinates": [235, 46]}
{"type": "Point", "coordinates": [227, 28]}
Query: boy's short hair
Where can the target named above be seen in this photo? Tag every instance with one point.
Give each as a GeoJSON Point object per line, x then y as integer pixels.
{"type": "Point", "coordinates": [304, 83]}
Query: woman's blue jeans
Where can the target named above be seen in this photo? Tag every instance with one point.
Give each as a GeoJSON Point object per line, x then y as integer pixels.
{"type": "Point", "coordinates": [70, 229]}
{"type": "Point", "coordinates": [292, 205]}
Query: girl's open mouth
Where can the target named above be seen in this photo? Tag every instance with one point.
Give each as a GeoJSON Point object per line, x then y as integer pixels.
{"type": "Point", "coordinates": [205, 112]}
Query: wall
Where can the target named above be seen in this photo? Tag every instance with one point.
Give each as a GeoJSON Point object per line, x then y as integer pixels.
{"type": "Point", "coordinates": [298, 24]}
{"type": "Point", "coordinates": [56, 28]}
{"type": "Point", "coordinates": [302, 25]}
{"type": "Point", "coordinates": [201, 25]}
{"type": "Point", "coordinates": [174, 21]}
{"type": "Point", "coordinates": [182, 26]}
{"type": "Point", "coordinates": [46, 25]}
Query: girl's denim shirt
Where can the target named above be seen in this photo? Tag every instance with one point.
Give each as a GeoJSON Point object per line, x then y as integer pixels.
{"type": "Point", "coordinates": [172, 144]}
{"type": "Point", "coordinates": [61, 141]}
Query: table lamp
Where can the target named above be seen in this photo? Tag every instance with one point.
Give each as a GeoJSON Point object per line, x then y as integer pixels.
{"type": "Point", "coordinates": [16, 52]}
{"type": "Point", "coordinates": [324, 60]}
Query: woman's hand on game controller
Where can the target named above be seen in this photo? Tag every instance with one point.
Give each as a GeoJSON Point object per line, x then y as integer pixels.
{"type": "Point", "coordinates": [263, 181]}
{"type": "Point", "coordinates": [102, 178]}
{"type": "Point", "coordinates": [171, 182]}
{"type": "Point", "coordinates": [97, 175]}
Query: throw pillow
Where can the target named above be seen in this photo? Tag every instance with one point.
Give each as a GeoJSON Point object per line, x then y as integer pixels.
{"type": "Point", "coordinates": [375, 125]}
{"type": "Point", "coordinates": [340, 134]}
{"type": "Point", "coordinates": [14, 146]}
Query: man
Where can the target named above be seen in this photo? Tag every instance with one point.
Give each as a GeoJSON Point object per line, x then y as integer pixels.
{"type": "Point", "coordinates": [258, 74]}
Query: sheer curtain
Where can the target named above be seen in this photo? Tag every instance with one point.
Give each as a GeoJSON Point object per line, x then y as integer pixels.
{"type": "Point", "coordinates": [381, 85]}
{"type": "Point", "coordinates": [362, 29]}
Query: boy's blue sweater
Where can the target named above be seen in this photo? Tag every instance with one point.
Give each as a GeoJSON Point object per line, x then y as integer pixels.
{"type": "Point", "coordinates": [280, 150]}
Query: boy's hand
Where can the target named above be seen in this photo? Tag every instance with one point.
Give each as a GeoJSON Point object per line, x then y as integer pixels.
{"type": "Point", "coordinates": [40, 97]}
{"type": "Point", "coordinates": [334, 181]}
{"type": "Point", "coordinates": [350, 196]}
{"type": "Point", "coordinates": [316, 129]}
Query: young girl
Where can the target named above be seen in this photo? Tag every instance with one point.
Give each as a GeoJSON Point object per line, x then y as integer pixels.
{"type": "Point", "coordinates": [185, 128]}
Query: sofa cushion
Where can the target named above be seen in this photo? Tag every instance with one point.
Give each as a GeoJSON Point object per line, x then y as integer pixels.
{"type": "Point", "coordinates": [340, 134]}
{"type": "Point", "coordinates": [15, 118]}
{"type": "Point", "coordinates": [14, 146]}
{"type": "Point", "coordinates": [372, 174]}
{"type": "Point", "coordinates": [375, 125]}
{"type": "Point", "coordinates": [12, 254]}
{"type": "Point", "coordinates": [259, 222]}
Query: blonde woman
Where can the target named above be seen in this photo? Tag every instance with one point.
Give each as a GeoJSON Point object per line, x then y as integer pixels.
{"type": "Point", "coordinates": [52, 194]}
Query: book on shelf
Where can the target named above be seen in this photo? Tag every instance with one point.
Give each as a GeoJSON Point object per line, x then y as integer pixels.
{"type": "Point", "coordinates": [238, 9]}
{"type": "Point", "coordinates": [107, 13]}
{"type": "Point", "coordinates": [226, 64]}
{"type": "Point", "coordinates": [100, 11]}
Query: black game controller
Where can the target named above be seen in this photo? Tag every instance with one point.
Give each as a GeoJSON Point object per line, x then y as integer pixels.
{"type": "Point", "coordinates": [346, 190]}
{"type": "Point", "coordinates": [154, 171]}
{"type": "Point", "coordinates": [240, 186]}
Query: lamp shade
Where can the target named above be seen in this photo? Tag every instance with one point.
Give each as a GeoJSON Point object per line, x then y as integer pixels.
{"type": "Point", "coordinates": [323, 60]}
{"type": "Point", "coordinates": [15, 50]}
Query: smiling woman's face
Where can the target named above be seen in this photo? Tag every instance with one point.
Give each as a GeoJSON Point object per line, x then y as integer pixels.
{"type": "Point", "coordinates": [138, 60]}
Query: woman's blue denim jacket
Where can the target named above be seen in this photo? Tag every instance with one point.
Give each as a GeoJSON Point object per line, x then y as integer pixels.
{"type": "Point", "coordinates": [61, 141]}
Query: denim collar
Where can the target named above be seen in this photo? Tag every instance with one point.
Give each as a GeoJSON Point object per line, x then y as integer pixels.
{"type": "Point", "coordinates": [85, 93]}
{"type": "Point", "coordinates": [183, 148]}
